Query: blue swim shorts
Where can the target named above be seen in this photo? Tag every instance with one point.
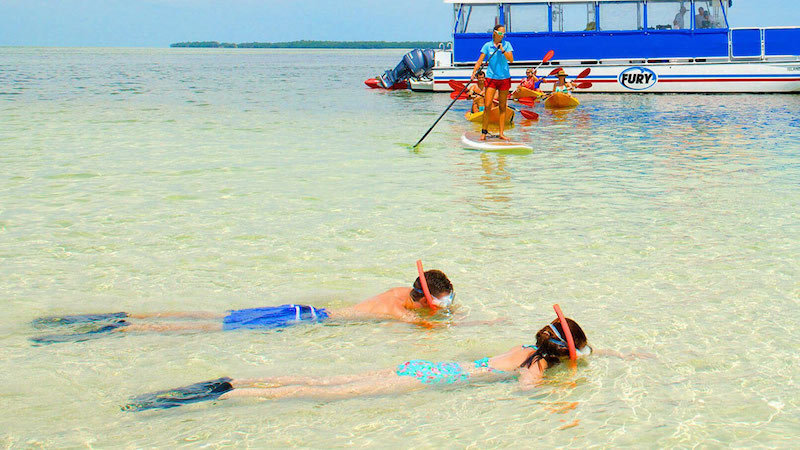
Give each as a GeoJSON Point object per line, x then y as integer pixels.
{"type": "Point", "coordinates": [272, 317]}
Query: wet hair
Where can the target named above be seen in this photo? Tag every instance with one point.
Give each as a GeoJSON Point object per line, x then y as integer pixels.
{"type": "Point", "coordinates": [438, 284]}
{"type": "Point", "coordinates": [550, 351]}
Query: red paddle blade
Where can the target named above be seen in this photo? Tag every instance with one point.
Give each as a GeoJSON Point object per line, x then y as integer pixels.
{"type": "Point", "coordinates": [548, 56]}
{"type": "Point", "coordinates": [529, 114]}
{"type": "Point", "coordinates": [527, 101]}
{"type": "Point", "coordinates": [555, 71]}
{"type": "Point", "coordinates": [584, 85]}
{"type": "Point", "coordinates": [454, 95]}
{"type": "Point", "coordinates": [584, 73]}
{"type": "Point", "coordinates": [456, 85]}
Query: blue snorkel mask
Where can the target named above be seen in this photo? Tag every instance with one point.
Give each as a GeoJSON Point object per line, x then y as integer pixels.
{"type": "Point", "coordinates": [441, 302]}
{"type": "Point", "coordinates": [561, 342]}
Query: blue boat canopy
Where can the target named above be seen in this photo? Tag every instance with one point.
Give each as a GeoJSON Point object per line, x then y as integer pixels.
{"type": "Point", "coordinates": [594, 30]}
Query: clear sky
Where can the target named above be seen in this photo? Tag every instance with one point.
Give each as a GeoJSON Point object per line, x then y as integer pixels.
{"type": "Point", "coordinates": [157, 23]}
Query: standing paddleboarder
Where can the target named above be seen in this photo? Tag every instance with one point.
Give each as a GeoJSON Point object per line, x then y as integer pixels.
{"type": "Point", "coordinates": [498, 76]}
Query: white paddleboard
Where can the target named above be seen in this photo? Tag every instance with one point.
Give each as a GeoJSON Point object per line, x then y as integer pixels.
{"type": "Point", "coordinates": [472, 140]}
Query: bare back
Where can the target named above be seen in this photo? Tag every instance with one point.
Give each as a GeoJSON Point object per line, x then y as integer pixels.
{"type": "Point", "coordinates": [395, 304]}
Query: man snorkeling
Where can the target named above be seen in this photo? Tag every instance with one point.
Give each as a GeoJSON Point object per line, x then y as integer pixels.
{"type": "Point", "coordinates": [431, 291]}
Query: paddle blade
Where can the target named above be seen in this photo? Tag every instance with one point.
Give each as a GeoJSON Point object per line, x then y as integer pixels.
{"type": "Point", "coordinates": [528, 101]}
{"type": "Point", "coordinates": [464, 96]}
{"type": "Point", "coordinates": [529, 114]}
{"type": "Point", "coordinates": [584, 85]}
{"type": "Point", "coordinates": [456, 85]}
{"type": "Point", "coordinates": [555, 71]}
{"type": "Point", "coordinates": [584, 73]}
{"type": "Point", "coordinates": [548, 56]}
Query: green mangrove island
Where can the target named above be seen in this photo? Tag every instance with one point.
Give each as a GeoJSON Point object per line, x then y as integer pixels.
{"type": "Point", "coordinates": [310, 44]}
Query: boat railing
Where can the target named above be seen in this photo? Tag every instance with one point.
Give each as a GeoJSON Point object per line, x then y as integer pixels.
{"type": "Point", "coordinates": [651, 46]}
{"type": "Point", "coordinates": [764, 43]}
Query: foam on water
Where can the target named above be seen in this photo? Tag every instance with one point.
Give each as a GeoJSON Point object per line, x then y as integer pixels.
{"type": "Point", "coordinates": [147, 180]}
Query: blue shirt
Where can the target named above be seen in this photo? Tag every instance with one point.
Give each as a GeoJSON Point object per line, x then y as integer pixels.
{"type": "Point", "coordinates": [498, 66]}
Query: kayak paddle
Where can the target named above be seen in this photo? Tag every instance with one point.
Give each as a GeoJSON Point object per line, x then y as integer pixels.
{"type": "Point", "coordinates": [583, 74]}
{"type": "Point", "coordinates": [451, 103]}
{"type": "Point", "coordinates": [526, 114]}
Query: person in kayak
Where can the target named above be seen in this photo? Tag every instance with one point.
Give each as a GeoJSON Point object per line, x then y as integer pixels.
{"type": "Point", "coordinates": [524, 363]}
{"type": "Point", "coordinates": [562, 85]}
{"type": "Point", "coordinates": [429, 292]}
{"type": "Point", "coordinates": [477, 92]}
{"type": "Point", "coordinates": [497, 53]}
{"type": "Point", "coordinates": [531, 82]}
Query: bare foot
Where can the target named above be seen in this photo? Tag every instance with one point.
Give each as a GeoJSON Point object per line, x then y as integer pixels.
{"type": "Point", "coordinates": [503, 137]}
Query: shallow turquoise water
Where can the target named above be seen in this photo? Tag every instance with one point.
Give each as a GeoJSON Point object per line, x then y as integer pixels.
{"type": "Point", "coordinates": [147, 180]}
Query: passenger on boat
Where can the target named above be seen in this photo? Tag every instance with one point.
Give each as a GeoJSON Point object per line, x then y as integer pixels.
{"type": "Point", "coordinates": [702, 19]}
{"type": "Point", "coordinates": [562, 85]}
{"type": "Point", "coordinates": [524, 363]}
{"type": "Point", "coordinates": [498, 54]}
{"type": "Point", "coordinates": [678, 23]}
{"type": "Point", "coordinates": [400, 303]}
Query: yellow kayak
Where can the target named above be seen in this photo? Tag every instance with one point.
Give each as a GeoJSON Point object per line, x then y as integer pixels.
{"type": "Point", "coordinates": [523, 92]}
{"type": "Point", "coordinates": [493, 118]}
{"type": "Point", "coordinates": [559, 100]}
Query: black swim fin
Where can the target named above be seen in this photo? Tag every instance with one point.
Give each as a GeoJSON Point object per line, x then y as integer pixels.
{"type": "Point", "coordinates": [198, 392]}
{"type": "Point", "coordinates": [53, 321]}
{"type": "Point", "coordinates": [78, 337]}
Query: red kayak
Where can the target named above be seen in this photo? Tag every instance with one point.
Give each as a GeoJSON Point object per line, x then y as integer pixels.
{"type": "Point", "coordinates": [375, 84]}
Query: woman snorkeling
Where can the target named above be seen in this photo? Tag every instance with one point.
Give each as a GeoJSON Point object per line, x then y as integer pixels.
{"type": "Point", "coordinates": [560, 339]}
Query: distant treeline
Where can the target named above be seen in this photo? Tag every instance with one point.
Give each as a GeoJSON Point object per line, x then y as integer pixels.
{"type": "Point", "coordinates": [311, 44]}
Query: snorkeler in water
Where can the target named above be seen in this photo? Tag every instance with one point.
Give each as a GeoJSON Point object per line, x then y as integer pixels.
{"type": "Point", "coordinates": [561, 339]}
{"type": "Point", "coordinates": [431, 291]}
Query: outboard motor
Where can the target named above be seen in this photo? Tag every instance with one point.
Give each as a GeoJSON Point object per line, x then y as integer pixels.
{"type": "Point", "coordinates": [415, 63]}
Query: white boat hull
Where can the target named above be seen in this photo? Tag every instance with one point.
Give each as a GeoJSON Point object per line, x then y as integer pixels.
{"type": "Point", "coordinates": [690, 77]}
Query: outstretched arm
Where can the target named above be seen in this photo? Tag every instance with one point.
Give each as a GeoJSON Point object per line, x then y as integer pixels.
{"type": "Point", "coordinates": [478, 64]}
{"type": "Point", "coordinates": [620, 355]}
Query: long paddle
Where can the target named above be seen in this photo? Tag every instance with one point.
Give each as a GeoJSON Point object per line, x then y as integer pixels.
{"type": "Point", "coordinates": [583, 74]}
{"type": "Point", "coordinates": [526, 114]}
{"type": "Point", "coordinates": [546, 58]}
{"type": "Point", "coordinates": [451, 103]}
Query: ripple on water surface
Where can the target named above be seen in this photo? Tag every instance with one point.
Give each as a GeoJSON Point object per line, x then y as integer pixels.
{"type": "Point", "coordinates": [152, 180]}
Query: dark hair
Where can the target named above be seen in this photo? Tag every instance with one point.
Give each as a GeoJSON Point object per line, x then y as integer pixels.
{"type": "Point", "coordinates": [479, 72]}
{"type": "Point", "coordinates": [498, 26]}
{"type": "Point", "coordinates": [550, 351]}
{"type": "Point", "coordinates": [438, 284]}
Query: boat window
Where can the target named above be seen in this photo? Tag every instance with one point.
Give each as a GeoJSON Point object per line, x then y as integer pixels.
{"type": "Point", "coordinates": [476, 18]}
{"type": "Point", "coordinates": [669, 15]}
{"type": "Point", "coordinates": [526, 18]}
{"type": "Point", "coordinates": [709, 14]}
{"type": "Point", "coordinates": [621, 16]}
{"type": "Point", "coordinates": [574, 16]}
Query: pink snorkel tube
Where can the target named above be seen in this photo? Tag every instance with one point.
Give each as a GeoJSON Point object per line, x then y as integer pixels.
{"type": "Point", "coordinates": [573, 355]}
{"type": "Point", "coordinates": [424, 285]}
